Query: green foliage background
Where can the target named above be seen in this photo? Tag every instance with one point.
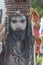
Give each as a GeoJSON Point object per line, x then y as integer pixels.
{"type": "Point", "coordinates": [38, 6]}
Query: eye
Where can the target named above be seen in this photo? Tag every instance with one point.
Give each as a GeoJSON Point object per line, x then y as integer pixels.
{"type": "Point", "coordinates": [22, 21]}
{"type": "Point", "coordinates": [14, 21]}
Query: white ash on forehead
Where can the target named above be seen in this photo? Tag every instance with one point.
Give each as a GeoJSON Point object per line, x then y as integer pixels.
{"type": "Point", "coordinates": [18, 15]}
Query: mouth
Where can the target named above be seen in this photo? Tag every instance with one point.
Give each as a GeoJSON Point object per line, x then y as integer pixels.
{"type": "Point", "coordinates": [18, 31]}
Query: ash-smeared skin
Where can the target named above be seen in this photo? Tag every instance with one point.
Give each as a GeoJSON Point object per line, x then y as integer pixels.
{"type": "Point", "coordinates": [18, 23]}
{"type": "Point", "coordinates": [18, 26]}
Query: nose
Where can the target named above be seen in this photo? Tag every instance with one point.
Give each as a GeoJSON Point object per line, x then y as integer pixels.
{"type": "Point", "coordinates": [18, 27]}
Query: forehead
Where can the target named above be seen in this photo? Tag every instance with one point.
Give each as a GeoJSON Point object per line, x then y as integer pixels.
{"type": "Point", "coordinates": [18, 17]}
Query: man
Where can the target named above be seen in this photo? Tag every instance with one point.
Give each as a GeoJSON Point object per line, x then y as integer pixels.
{"type": "Point", "coordinates": [19, 42]}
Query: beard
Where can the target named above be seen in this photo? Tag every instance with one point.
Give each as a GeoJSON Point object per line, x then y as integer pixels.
{"type": "Point", "coordinates": [15, 39]}
{"type": "Point", "coordinates": [17, 35]}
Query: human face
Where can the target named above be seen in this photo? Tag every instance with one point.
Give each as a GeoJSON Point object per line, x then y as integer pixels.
{"type": "Point", "coordinates": [18, 22]}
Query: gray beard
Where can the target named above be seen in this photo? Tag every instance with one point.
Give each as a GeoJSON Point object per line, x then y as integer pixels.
{"type": "Point", "coordinates": [18, 35]}
{"type": "Point", "coordinates": [15, 39]}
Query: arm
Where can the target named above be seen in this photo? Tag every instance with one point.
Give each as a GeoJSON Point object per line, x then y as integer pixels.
{"type": "Point", "coordinates": [2, 36]}
{"type": "Point", "coordinates": [2, 32]}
